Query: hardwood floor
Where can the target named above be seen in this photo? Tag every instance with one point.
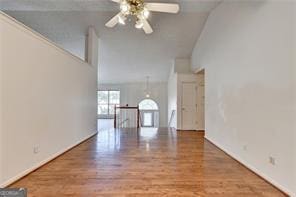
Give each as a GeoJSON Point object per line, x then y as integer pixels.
{"type": "Point", "coordinates": [145, 163]}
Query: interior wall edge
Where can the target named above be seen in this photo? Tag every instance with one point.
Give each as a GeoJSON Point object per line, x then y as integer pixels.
{"type": "Point", "coordinates": [17, 24]}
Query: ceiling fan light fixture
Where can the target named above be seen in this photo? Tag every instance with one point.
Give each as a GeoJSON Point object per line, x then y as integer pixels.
{"type": "Point", "coordinates": [147, 89]}
{"type": "Point", "coordinates": [139, 24]}
{"type": "Point", "coordinates": [145, 13]}
{"type": "Point", "coordinates": [124, 7]}
{"type": "Point", "coordinates": [141, 12]}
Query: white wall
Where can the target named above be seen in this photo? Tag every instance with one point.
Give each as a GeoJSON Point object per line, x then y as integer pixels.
{"type": "Point", "coordinates": [1, 124]}
{"type": "Point", "coordinates": [172, 98]}
{"type": "Point", "coordinates": [47, 99]}
{"type": "Point", "coordinates": [133, 93]}
{"type": "Point", "coordinates": [247, 51]}
{"type": "Point", "coordinates": [92, 52]}
{"type": "Point", "coordinates": [182, 65]}
{"type": "Point", "coordinates": [294, 97]}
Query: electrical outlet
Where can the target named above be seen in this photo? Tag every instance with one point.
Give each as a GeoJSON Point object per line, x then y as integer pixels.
{"type": "Point", "coordinates": [272, 160]}
{"type": "Point", "coordinates": [245, 147]}
{"type": "Point", "coordinates": [36, 150]}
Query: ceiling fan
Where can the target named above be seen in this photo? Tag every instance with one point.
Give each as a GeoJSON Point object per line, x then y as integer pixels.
{"type": "Point", "coordinates": [141, 11]}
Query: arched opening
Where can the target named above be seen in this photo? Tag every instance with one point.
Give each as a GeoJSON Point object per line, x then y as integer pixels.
{"type": "Point", "coordinates": [149, 113]}
{"type": "Point", "coordinates": [148, 104]}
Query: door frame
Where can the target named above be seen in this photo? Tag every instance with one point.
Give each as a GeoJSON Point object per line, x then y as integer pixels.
{"type": "Point", "coordinates": [142, 112]}
{"type": "Point", "coordinates": [202, 70]}
{"type": "Point", "coordinates": [200, 100]}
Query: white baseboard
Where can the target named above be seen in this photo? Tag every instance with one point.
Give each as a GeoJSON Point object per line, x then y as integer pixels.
{"type": "Point", "coordinates": [200, 129]}
{"type": "Point", "coordinates": [28, 171]}
{"type": "Point", "coordinates": [253, 169]}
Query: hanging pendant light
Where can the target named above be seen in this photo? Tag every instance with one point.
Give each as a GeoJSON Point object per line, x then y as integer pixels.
{"type": "Point", "coordinates": [147, 91]}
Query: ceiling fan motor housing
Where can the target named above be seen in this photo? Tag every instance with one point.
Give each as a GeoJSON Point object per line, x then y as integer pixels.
{"type": "Point", "coordinates": [136, 6]}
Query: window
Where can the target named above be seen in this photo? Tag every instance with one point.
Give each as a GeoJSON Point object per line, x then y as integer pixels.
{"type": "Point", "coordinates": [106, 102]}
{"type": "Point", "coordinates": [148, 104]}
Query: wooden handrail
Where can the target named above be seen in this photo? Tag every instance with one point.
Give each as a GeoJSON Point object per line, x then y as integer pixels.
{"type": "Point", "coordinates": [125, 107]}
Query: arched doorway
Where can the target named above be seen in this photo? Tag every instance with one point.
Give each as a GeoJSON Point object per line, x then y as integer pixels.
{"type": "Point", "coordinates": [149, 113]}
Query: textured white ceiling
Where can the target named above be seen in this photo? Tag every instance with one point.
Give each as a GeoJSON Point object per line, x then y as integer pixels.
{"type": "Point", "coordinates": [126, 54]}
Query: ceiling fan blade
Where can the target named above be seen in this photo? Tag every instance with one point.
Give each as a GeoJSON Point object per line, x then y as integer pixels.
{"type": "Point", "coordinates": [116, 1]}
{"type": "Point", "coordinates": [163, 7]}
{"type": "Point", "coordinates": [147, 27]}
{"type": "Point", "coordinates": [111, 23]}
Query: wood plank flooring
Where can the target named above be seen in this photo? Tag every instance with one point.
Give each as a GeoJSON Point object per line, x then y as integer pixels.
{"type": "Point", "coordinates": [148, 162]}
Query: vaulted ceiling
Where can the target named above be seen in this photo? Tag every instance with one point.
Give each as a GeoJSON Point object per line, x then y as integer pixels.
{"type": "Point", "coordinates": [126, 54]}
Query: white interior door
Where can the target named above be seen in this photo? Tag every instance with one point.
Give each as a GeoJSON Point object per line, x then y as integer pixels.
{"type": "Point", "coordinates": [189, 105]}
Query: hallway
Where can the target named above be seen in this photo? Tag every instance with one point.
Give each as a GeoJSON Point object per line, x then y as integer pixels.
{"type": "Point", "coordinates": [105, 124]}
{"type": "Point", "coordinates": [149, 162]}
